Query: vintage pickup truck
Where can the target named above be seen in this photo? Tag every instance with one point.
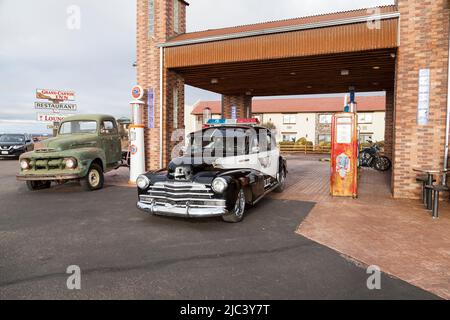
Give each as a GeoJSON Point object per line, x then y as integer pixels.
{"type": "Point", "coordinates": [85, 148]}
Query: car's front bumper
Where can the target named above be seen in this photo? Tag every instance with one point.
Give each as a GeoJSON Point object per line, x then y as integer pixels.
{"type": "Point", "coordinates": [184, 211]}
{"type": "Point", "coordinates": [11, 153]}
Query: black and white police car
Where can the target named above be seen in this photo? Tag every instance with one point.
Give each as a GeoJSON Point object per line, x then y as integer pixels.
{"type": "Point", "coordinates": [227, 165]}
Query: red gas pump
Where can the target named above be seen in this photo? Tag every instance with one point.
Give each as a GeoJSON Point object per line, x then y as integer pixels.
{"type": "Point", "coordinates": [344, 155]}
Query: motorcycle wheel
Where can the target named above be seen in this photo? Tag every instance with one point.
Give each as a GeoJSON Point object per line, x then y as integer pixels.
{"type": "Point", "coordinates": [382, 164]}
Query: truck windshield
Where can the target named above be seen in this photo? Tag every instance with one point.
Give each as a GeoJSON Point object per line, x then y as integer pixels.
{"type": "Point", "coordinates": [78, 126]}
{"type": "Point", "coordinates": [12, 138]}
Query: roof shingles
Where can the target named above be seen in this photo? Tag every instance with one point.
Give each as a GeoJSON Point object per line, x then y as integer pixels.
{"type": "Point", "coordinates": [299, 105]}
{"type": "Point", "coordinates": [282, 23]}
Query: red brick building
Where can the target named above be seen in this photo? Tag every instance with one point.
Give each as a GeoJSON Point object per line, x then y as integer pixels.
{"type": "Point", "coordinates": [378, 49]}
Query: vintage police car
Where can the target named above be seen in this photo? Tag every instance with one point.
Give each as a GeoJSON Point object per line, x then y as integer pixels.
{"type": "Point", "coordinates": [226, 166]}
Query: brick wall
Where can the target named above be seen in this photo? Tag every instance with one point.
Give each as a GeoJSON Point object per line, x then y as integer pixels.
{"type": "Point", "coordinates": [148, 73]}
{"type": "Point", "coordinates": [242, 103]}
{"type": "Point", "coordinates": [423, 44]}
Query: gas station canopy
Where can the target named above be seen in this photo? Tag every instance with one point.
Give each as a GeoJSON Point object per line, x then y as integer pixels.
{"type": "Point", "coordinates": [321, 54]}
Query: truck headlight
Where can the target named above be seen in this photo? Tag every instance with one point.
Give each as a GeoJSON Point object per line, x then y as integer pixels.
{"type": "Point", "coordinates": [143, 182]}
{"type": "Point", "coordinates": [71, 163]}
{"type": "Point", "coordinates": [25, 164]}
{"type": "Point", "coordinates": [219, 185]}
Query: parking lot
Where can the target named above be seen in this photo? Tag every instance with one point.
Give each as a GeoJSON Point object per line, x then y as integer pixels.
{"type": "Point", "coordinates": [125, 253]}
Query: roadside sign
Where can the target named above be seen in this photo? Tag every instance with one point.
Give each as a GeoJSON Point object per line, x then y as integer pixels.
{"type": "Point", "coordinates": [55, 106]}
{"type": "Point", "coordinates": [55, 95]}
{"type": "Point", "coordinates": [423, 107]}
{"type": "Point", "coordinates": [137, 92]}
{"type": "Point", "coordinates": [233, 112]}
{"type": "Point", "coordinates": [47, 117]}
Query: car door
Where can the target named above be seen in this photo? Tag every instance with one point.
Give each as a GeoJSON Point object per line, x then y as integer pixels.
{"type": "Point", "coordinates": [110, 141]}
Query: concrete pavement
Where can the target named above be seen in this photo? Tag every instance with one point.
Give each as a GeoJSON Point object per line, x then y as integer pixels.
{"type": "Point", "coordinates": [124, 253]}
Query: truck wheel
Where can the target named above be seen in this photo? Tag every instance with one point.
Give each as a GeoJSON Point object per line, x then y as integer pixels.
{"type": "Point", "coordinates": [281, 178]}
{"type": "Point", "coordinates": [38, 185]}
{"type": "Point", "coordinates": [237, 214]}
{"type": "Point", "coordinates": [94, 178]}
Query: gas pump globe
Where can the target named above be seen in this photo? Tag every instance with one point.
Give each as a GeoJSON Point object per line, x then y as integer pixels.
{"type": "Point", "coordinates": [137, 152]}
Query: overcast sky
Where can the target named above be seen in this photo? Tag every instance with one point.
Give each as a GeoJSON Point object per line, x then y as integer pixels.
{"type": "Point", "coordinates": [38, 50]}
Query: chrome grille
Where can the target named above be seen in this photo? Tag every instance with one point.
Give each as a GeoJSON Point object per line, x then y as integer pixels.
{"type": "Point", "coordinates": [182, 195]}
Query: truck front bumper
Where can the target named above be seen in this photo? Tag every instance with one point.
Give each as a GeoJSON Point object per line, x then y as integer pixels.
{"type": "Point", "coordinates": [47, 177]}
{"type": "Point", "coordinates": [181, 211]}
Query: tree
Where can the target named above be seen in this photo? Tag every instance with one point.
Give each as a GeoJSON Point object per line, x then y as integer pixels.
{"type": "Point", "coordinates": [269, 125]}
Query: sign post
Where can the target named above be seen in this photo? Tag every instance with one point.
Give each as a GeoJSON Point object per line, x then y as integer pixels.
{"type": "Point", "coordinates": [137, 150]}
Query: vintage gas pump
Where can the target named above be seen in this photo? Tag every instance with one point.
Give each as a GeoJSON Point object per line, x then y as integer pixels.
{"type": "Point", "coordinates": [137, 152]}
{"type": "Point", "coordinates": [344, 155]}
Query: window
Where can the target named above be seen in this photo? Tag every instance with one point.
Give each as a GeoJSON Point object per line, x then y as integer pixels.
{"type": "Point", "coordinates": [324, 138]}
{"type": "Point", "coordinates": [365, 138]}
{"type": "Point", "coordinates": [176, 16]}
{"type": "Point", "coordinates": [11, 138]}
{"type": "Point", "coordinates": [151, 17]}
{"type": "Point", "coordinates": [175, 108]}
{"type": "Point", "coordinates": [78, 126]}
{"type": "Point", "coordinates": [289, 137]}
{"type": "Point", "coordinates": [364, 118]}
{"type": "Point", "coordinates": [289, 119]}
{"type": "Point", "coordinates": [108, 127]}
{"type": "Point", "coordinates": [325, 118]}
{"type": "Point", "coordinates": [265, 140]}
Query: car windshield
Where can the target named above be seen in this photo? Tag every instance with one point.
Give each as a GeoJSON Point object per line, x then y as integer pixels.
{"type": "Point", "coordinates": [78, 126]}
{"type": "Point", "coordinates": [218, 142]}
{"type": "Point", "coordinates": [12, 138]}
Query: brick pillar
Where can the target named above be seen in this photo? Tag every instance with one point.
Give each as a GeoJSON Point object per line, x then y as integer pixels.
{"type": "Point", "coordinates": [243, 105]}
{"type": "Point", "coordinates": [423, 44]}
{"type": "Point", "coordinates": [148, 73]}
{"type": "Point", "coordinates": [389, 125]}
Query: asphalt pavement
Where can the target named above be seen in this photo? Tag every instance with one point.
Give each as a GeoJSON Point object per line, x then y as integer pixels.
{"type": "Point", "coordinates": [124, 253]}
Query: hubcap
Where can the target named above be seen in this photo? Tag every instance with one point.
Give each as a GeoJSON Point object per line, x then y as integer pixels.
{"type": "Point", "coordinates": [240, 204]}
{"type": "Point", "coordinates": [94, 178]}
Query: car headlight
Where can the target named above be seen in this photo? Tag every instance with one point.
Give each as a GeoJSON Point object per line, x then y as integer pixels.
{"type": "Point", "coordinates": [71, 163]}
{"type": "Point", "coordinates": [219, 185]}
{"type": "Point", "coordinates": [143, 182]}
{"type": "Point", "coordinates": [18, 147]}
{"type": "Point", "coordinates": [25, 164]}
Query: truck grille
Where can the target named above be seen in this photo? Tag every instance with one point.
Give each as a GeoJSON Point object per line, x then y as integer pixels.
{"type": "Point", "coordinates": [47, 164]}
{"type": "Point", "coordinates": [182, 195]}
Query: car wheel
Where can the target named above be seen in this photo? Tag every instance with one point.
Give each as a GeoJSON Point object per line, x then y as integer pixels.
{"type": "Point", "coordinates": [237, 214]}
{"type": "Point", "coordinates": [38, 185]}
{"type": "Point", "coordinates": [281, 178]}
{"type": "Point", "coordinates": [94, 179]}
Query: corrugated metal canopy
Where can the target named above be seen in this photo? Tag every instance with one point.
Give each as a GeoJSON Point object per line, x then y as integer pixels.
{"type": "Point", "coordinates": [308, 57]}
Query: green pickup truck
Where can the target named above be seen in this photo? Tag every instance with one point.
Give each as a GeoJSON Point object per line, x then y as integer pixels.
{"type": "Point", "coordinates": [85, 148]}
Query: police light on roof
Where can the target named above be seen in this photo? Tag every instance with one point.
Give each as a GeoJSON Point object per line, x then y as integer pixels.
{"type": "Point", "coordinates": [233, 121]}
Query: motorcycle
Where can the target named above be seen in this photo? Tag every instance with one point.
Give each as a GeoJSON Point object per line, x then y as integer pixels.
{"type": "Point", "coordinates": [370, 157]}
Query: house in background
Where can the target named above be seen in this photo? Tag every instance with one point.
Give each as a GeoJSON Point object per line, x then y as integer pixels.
{"type": "Point", "coordinates": [308, 117]}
